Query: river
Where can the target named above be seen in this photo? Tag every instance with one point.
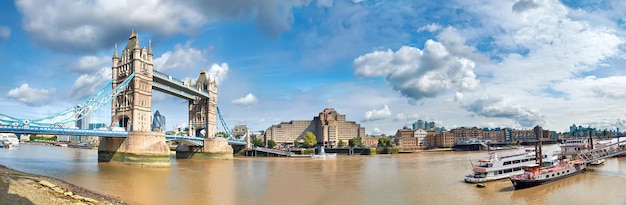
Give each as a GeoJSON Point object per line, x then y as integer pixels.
{"type": "Point", "coordinates": [420, 178]}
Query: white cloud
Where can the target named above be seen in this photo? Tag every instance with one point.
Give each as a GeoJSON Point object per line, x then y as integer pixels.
{"type": "Point", "coordinates": [89, 25]}
{"type": "Point", "coordinates": [89, 64]}
{"type": "Point", "coordinates": [248, 100]}
{"type": "Point", "coordinates": [433, 27]}
{"type": "Point", "coordinates": [419, 74]}
{"type": "Point", "coordinates": [500, 108]}
{"type": "Point", "coordinates": [183, 57]}
{"type": "Point", "coordinates": [5, 32]}
{"type": "Point", "coordinates": [218, 72]}
{"type": "Point", "coordinates": [31, 96]}
{"type": "Point", "coordinates": [375, 114]}
{"type": "Point", "coordinates": [376, 131]}
{"type": "Point", "coordinates": [87, 84]}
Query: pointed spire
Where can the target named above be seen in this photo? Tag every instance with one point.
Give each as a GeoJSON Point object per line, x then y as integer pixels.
{"type": "Point", "coordinates": [115, 52]}
{"type": "Point", "coordinates": [137, 44]}
{"type": "Point", "coordinates": [150, 47]}
{"type": "Point", "coordinates": [132, 34]}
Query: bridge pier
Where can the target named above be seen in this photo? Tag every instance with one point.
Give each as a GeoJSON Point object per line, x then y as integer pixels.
{"type": "Point", "coordinates": [214, 148]}
{"type": "Point", "coordinates": [139, 148]}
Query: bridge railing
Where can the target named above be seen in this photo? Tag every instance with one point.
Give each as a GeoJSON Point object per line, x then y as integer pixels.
{"type": "Point", "coordinates": [180, 83]}
{"type": "Point", "coordinates": [603, 152]}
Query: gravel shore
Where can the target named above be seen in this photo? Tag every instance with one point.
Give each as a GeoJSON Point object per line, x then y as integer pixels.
{"type": "Point", "coordinates": [22, 188]}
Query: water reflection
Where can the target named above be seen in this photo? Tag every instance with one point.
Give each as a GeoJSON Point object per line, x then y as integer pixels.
{"type": "Point", "coordinates": [423, 178]}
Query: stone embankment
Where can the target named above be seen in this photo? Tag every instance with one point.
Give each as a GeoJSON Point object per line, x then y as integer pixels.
{"type": "Point", "coordinates": [22, 188]}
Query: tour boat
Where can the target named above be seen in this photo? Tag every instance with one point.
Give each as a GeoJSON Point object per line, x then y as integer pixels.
{"type": "Point", "coordinates": [597, 162]}
{"type": "Point", "coordinates": [9, 140]}
{"type": "Point", "coordinates": [323, 155]}
{"type": "Point", "coordinates": [494, 167]}
{"type": "Point", "coordinates": [536, 175]}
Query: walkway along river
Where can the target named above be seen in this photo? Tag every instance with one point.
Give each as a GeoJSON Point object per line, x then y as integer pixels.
{"type": "Point", "coordinates": [421, 178]}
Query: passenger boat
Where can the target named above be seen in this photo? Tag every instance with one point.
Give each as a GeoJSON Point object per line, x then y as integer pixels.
{"type": "Point", "coordinates": [536, 175]}
{"type": "Point", "coordinates": [494, 167]}
{"type": "Point", "coordinates": [597, 162]}
{"type": "Point", "coordinates": [9, 140]}
{"type": "Point", "coordinates": [565, 166]}
{"type": "Point", "coordinates": [323, 155]}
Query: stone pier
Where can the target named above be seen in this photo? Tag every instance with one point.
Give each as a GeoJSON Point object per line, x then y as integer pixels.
{"type": "Point", "coordinates": [139, 148]}
{"type": "Point", "coordinates": [214, 148]}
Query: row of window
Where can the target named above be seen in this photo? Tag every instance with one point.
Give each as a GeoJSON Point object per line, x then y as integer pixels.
{"type": "Point", "coordinates": [518, 161]}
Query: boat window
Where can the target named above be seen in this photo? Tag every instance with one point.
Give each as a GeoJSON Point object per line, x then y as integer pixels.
{"type": "Point", "coordinates": [507, 162]}
{"type": "Point", "coordinates": [516, 161]}
{"type": "Point", "coordinates": [552, 174]}
{"type": "Point", "coordinates": [558, 173]}
{"type": "Point", "coordinates": [547, 176]}
{"type": "Point", "coordinates": [500, 172]}
{"type": "Point", "coordinates": [507, 170]}
{"type": "Point", "coordinates": [567, 171]}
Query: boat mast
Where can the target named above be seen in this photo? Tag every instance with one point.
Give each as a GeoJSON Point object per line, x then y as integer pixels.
{"type": "Point", "coordinates": [538, 153]}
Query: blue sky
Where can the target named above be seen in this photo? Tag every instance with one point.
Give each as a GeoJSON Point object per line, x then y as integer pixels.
{"type": "Point", "coordinates": [385, 64]}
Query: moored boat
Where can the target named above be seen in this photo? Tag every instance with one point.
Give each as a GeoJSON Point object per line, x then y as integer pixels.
{"type": "Point", "coordinates": [323, 155]}
{"type": "Point", "coordinates": [494, 167]}
{"type": "Point", "coordinates": [536, 175]}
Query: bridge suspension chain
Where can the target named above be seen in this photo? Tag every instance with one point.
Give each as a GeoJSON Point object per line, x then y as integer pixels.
{"type": "Point", "coordinates": [74, 113]}
{"type": "Point", "coordinates": [231, 136]}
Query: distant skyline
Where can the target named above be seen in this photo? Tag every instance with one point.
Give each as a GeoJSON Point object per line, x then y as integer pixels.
{"type": "Point", "coordinates": [384, 64]}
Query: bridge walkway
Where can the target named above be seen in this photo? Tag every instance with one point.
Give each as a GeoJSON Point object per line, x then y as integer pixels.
{"type": "Point", "coordinates": [278, 152]}
{"type": "Point", "coordinates": [603, 152]}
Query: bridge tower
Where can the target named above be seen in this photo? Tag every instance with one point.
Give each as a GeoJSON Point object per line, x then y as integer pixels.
{"type": "Point", "coordinates": [203, 111]}
{"type": "Point", "coordinates": [131, 111]}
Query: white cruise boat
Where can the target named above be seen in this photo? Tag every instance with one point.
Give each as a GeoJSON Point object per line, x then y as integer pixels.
{"type": "Point", "coordinates": [494, 167]}
{"type": "Point", "coordinates": [9, 140]}
{"type": "Point", "coordinates": [323, 155]}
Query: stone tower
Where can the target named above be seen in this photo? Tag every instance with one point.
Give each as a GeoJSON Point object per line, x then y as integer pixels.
{"type": "Point", "coordinates": [203, 111]}
{"type": "Point", "coordinates": [131, 109]}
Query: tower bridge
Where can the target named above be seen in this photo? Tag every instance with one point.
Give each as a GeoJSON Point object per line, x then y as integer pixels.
{"type": "Point", "coordinates": [133, 82]}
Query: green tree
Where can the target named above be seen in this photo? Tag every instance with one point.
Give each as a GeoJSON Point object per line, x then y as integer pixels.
{"type": "Point", "coordinates": [223, 134]}
{"type": "Point", "coordinates": [341, 143]}
{"type": "Point", "coordinates": [296, 143]}
{"type": "Point", "coordinates": [384, 141]}
{"type": "Point", "coordinates": [355, 142]}
{"type": "Point", "coordinates": [258, 142]}
{"type": "Point", "coordinates": [310, 140]}
{"type": "Point", "coordinates": [271, 143]}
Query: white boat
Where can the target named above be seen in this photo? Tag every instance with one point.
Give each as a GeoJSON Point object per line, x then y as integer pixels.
{"type": "Point", "coordinates": [494, 167]}
{"type": "Point", "coordinates": [323, 155]}
{"type": "Point", "coordinates": [9, 140]}
{"type": "Point", "coordinates": [597, 162]}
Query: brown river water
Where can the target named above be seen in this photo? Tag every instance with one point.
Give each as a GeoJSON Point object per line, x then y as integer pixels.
{"type": "Point", "coordinates": [419, 178]}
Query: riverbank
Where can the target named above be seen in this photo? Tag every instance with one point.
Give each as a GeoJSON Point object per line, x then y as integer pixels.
{"type": "Point", "coordinates": [23, 188]}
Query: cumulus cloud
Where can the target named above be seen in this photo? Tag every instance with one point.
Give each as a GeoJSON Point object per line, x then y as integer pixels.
{"type": "Point", "coordinates": [433, 27]}
{"type": "Point", "coordinates": [183, 57]}
{"type": "Point", "coordinates": [31, 96]}
{"type": "Point", "coordinates": [89, 25]}
{"type": "Point", "coordinates": [218, 72]}
{"type": "Point", "coordinates": [5, 32]}
{"type": "Point", "coordinates": [375, 114]}
{"type": "Point", "coordinates": [419, 74]}
{"type": "Point", "coordinates": [248, 100]}
{"type": "Point", "coordinates": [87, 84]}
{"type": "Point", "coordinates": [523, 5]}
{"type": "Point", "coordinates": [90, 64]}
{"type": "Point", "coordinates": [499, 108]}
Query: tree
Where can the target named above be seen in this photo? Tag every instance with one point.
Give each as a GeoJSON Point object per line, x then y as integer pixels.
{"type": "Point", "coordinates": [355, 142]}
{"type": "Point", "coordinates": [341, 143]}
{"type": "Point", "coordinates": [310, 140]}
{"type": "Point", "coordinates": [271, 143]}
{"type": "Point", "coordinates": [296, 143]}
{"type": "Point", "coordinates": [384, 141]}
{"type": "Point", "coordinates": [257, 142]}
{"type": "Point", "coordinates": [223, 134]}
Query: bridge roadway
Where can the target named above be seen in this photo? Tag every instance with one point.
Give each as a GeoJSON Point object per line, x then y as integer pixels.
{"type": "Point", "coordinates": [603, 152]}
{"type": "Point", "coordinates": [189, 141]}
{"type": "Point", "coordinates": [167, 84]}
